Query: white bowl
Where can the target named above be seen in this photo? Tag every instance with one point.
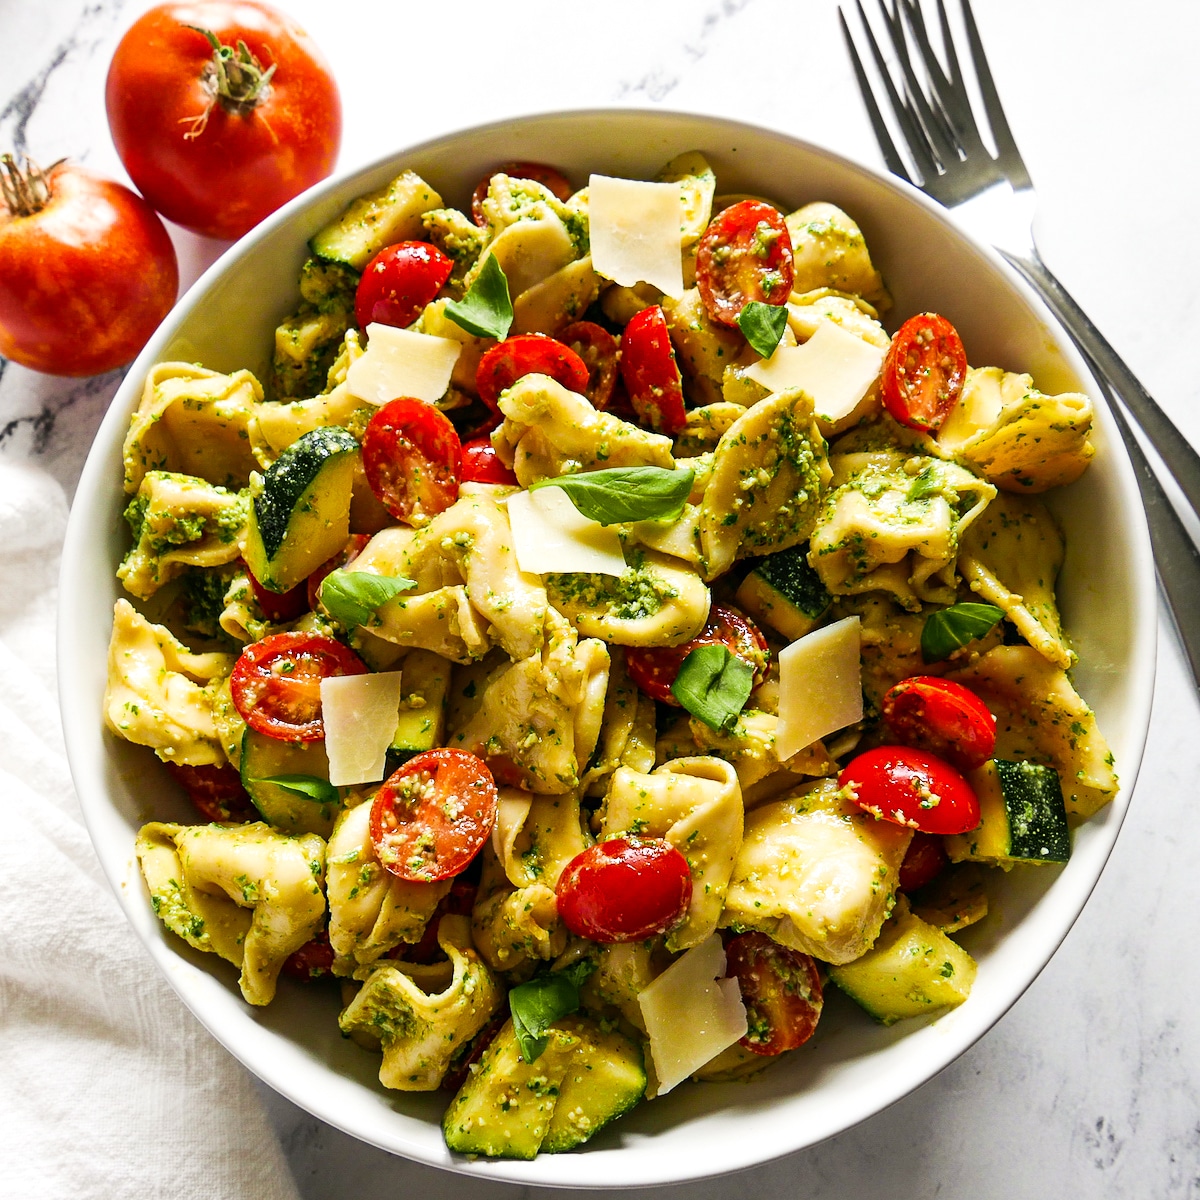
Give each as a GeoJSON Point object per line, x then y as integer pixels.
{"type": "Point", "coordinates": [853, 1068]}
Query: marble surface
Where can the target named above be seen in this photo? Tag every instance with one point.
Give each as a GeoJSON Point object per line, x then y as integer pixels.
{"type": "Point", "coordinates": [1088, 1087]}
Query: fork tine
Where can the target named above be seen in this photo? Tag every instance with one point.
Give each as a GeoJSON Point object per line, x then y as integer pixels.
{"type": "Point", "coordinates": [1010, 156]}
{"type": "Point", "coordinates": [890, 154]}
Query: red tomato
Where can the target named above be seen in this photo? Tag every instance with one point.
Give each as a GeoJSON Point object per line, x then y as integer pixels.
{"type": "Point", "coordinates": [548, 177]}
{"type": "Point", "coordinates": [943, 717]}
{"type": "Point", "coordinates": [654, 670]}
{"type": "Point", "coordinates": [276, 683]}
{"type": "Point", "coordinates": [650, 372]}
{"type": "Point", "coordinates": [527, 354]}
{"type": "Point", "coordinates": [781, 990]}
{"type": "Point", "coordinates": [911, 787]}
{"type": "Point", "coordinates": [279, 606]}
{"type": "Point", "coordinates": [314, 960]}
{"type": "Point", "coordinates": [433, 815]}
{"type": "Point", "coordinates": [354, 547]}
{"type": "Point", "coordinates": [481, 463]}
{"type": "Point", "coordinates": [412, 458]}
{"type": "Point", "coordinates": [599, 351]}
{"type": "Point", "coordinates": [745, 254]}
{"type": "Point", "coordinates": [624, 890]}
{"type": "Point", "coordinates": [87, 270]}
{"type": "Point", "coordinates": [216, 792]}
{"type": "Point", "coordinates": [923, 372]}
{"type": "Point", "coordinates": [923, 862]}
{"type": "Point", "coordinates": [217, 139]}
{"type": "Point", "coordinates": [398, 282]}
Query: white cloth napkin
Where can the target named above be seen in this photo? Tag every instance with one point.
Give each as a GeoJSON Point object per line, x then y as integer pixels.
{"type": "Point", "coordinates": [109, 1087]}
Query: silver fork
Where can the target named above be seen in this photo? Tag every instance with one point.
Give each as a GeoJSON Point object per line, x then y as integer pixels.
{"type": "Point", "coordinates": [994, 196]}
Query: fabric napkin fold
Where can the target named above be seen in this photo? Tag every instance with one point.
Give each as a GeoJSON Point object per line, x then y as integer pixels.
{"type": "Point", "coordinates": [110, 1087]}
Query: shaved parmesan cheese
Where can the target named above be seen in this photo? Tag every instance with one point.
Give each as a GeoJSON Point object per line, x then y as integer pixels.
{"type": "Point", "coordinates": [551, 534]}
{"type": "Point", "coordinates": [820, 686]}
{"type": "Point", "coordinates": [399, 362]}
{"type": "Point", "coordinates": [834, 367]}
{"type": "Point", "coordinates": [636, 232]}
{"type": "Point", "coordinates": [360, 714]}
{"type": "Point", "coordinates": [692, 1013]}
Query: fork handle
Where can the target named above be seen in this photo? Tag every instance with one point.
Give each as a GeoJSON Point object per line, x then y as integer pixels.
{"type": "Point", "coordinates": [1181, 459]}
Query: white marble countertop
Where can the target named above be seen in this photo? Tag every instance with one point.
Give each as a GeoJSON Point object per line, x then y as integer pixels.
{"type": "Point", "coordinates": [1088, 1087]}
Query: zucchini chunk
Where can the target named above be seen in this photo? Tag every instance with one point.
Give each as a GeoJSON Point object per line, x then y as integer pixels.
{"type": "Point", "coordinates": [425, 681]}
{"type": "Point", "coordinates": [390, 214]}
{"type": "Point", "coordinates": [913, 969]}
{"type": "Point", "coordinates": [1023, 817]}
{"type": "Point", "coordinates": [265, 758]}
{"type": "Point", "coordinates": [301, 512]}
{"type": "Point", "coordinates": [785, 592]}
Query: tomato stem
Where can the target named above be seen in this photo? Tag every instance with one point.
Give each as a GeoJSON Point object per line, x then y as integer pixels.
{"type": "Point", "coordinates": [233, 78]}
{"type": "Point", "coordinates": [24, 187]}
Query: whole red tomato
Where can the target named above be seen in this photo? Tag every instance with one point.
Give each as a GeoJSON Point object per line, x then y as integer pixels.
{"type": "Point", "coordinates": [87, 270]}
{"type": "Point", "coordinates": [216, 137]}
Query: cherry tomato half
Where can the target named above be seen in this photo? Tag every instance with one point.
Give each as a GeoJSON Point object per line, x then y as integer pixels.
{"type": "Point", "coordinates": [412, 458]}
{"type": "Point", "coordinates": [433, 815]}
{"type": "Point", "coordinates": [210, 142]}
{"type": "Point", "coordinates": [398, 282]}
{"type": "Point", "coordinates": [781, 990]}
{"type": "Point", "coordinates": [745, 254]}
{"type": "Point", "coordinates": [548, 177]}
{"type": "Point", "coordinates": [481, 463]}
{"type": "Point", "coordinates": [599, 351]}
{"type": "Point", "coordinates": [279, 607]}
{"type": "Point", "coordinates": [87, 270]}
{"type": "Point", "coordinates": [276, 683]}
{"type": "Point", "coordinates": [650, 372]}
{"type": "Point", "coordinates": [314, 960]}
{"type": "Point", "coordinates": [943, 717]}
{"type": "Point", "coordinates": [654, 670]}
{"type": "Point", "coordinates": [912, 787]}
{"type": "Point", "coordinates": [624, 890]}
{"type": "Point", "coordinates": [924, 860]}
{"type": "Point", "coordinates": [353, 548]}
{"type": "Point", "coordinates": [216, 791]}
{"type": "Point", "coordinates": [923, 372]}
{"type": "Point", "coordinates": [527, 354]}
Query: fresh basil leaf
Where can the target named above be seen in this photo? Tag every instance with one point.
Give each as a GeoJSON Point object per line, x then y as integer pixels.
{"type": "Point", "coordinates": [486, 310]}
{"type": "Point", "coordinates": [351, 597]}
{"type": "Point", "coordinates": [949, 628]}
{"type": "Point", "coordinates": [763, 325]}
{"type": "Point", "coordinates": [619, 494]}
{"type": "Point", "coordinates": [713, 685]}
{"type": "Point", "coordinates": [311, 786]}
{"type": "Point", "coordinates": [536, 1005]}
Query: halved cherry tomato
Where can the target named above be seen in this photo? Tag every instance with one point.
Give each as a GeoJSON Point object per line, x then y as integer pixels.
{"type": "Point", "coordinates": [279, 606]}
{"type": "Point", "coordinates": [314, 960]}
{"type": "Point", "coordinates": [216, 792]}
{"type": "Point", "coordinates": [398, 282]}
{"type": "Point", "coordinates": [433, 815]}
{"type": "Point", "coordinates": [650, 372]}
{"type": "Point", "coordinates": [624, 890]}
{"type": "Point", "coordinates": [481, 463]}
{"type": "Point", "coordinates": [354, 547]}
{"type": "Point", "coordinates": [745, 254]}
{"type": "Point", "coordinates": [781, 990]}
{"type": "Point", "coordinates": [548, 177]}
{"type": "Point", "coordinates": [528, 354]}
{"type": "Point", "coordinates": [923, 372]}
{"type": "Point", "coordinates": [911, 787]}
{"type": "Point", "coordinates": [599, 351]}
{"type": "Point", "coordinates": [412, 458]}
{"type": "Point", "coordinates": [276, 683]}
{"type": "Point", "coordinates": [924, 860]}
{"type": "Point", "coordinates": [943, 717]}
{"type": "Point", "coordinates": [654, 670]}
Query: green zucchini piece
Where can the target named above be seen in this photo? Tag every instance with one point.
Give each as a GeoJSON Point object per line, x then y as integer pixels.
{"type": "Point", "coordinates": [785, 593]}
{"type": "Point", "coordinates": [586, 1077]}
{"type": "Point", "coordinates": [391, 214]}
{"type": "Point", "coordinates": [265, 758]}
{"type": "Point", "coordinates": [425, 680]}
{"type": "Point", "coordinates": [1023, 817]}
{"type": "Point", "coordinates": [913, 969]}
{"type": "Point", "coordinates": [301, 512]}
